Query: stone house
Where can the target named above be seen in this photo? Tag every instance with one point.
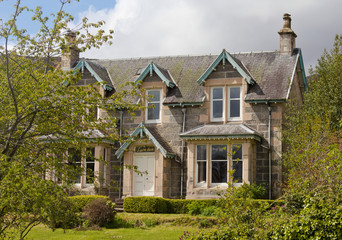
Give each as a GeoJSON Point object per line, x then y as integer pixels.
{"type": "Point", "coordinates": [211, 114]}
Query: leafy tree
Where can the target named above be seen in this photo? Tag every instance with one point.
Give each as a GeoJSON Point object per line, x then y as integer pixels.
{"type": "Point", "coordinates": [42, 114]}
{"type": "Point", "coordinates": [312, 132]}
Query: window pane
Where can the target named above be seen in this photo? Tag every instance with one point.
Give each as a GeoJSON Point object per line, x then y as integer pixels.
{"type": "Point", "coordinates": [237, 151]}
{"type": "Point", "coordinates": [201, 172]}
{"type": "Point", "coordinates": [234, 92]}
{"type": "Point", "coordinates": [154, 96]}
{"type": "Point", "coordinates": [74, 158]}
{"type": "Point", "coordinates": [217, 109]}
{"type": "Point", "coordinates": [153, 112]}
{"type": "Point", "coordinates": [90, 172]}
{"type": "Point", "coordinates": [201, 152]}
{"type": "Point", "coordinates": [218, 152]}
{"type": "Point", "coordinates": [219, 171]}
{"type": "Point", "coordinates": [234, 108]}
{"type": "Point", "coordinates": [237, 166]}
{"type": "Point", "coordinates": [90, 158]}
{"type": "Point", "coordinates": [217, 93]}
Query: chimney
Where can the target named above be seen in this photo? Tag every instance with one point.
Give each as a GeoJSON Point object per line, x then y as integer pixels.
{"type": "Point", "coordinates": [72, 55]}
{"type": "Point", "coordinates": [287, 36]}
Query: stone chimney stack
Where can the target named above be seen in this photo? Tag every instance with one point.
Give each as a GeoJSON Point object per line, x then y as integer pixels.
{"type": "Point", "coordinates": [70, 57]}
{"type": "Point", "coordinates": [287, 36]}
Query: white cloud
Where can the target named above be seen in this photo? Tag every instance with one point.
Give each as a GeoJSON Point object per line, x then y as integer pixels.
{"type": "Point", "coordinates": [180, 27]}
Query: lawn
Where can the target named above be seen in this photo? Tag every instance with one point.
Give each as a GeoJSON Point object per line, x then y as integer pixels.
{"type": "Point", "coordinates": [156, 232]}
{"type": "Point", "coordinates": [138, 226]}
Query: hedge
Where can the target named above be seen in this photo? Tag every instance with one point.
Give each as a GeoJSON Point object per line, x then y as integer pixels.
{"type": "Point", "coordinates": [81, 201]}
{"type": "Point", "coordinates": [178, 206]}
{"type": "Point", "coordinates": [146, 205]}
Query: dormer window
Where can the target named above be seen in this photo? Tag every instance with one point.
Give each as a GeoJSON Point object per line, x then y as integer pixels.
{"type": "Point", "coordinates": [234, 103]}
{"type": "Point", "coordinates": [225, 106]}
{"type": "Point", "coordinates": [217, 103]}
{"type": "Point", "coordinates": [153, 106]}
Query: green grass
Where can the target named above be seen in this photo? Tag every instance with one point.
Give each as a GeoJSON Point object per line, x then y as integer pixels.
{"type": "Point", "coordinates": [137, 226]}
{"type": "Point", "coordinates": [158, 232]}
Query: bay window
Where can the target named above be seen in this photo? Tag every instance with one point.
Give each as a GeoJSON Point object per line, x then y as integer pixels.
{"type": "Point", "coordinates": [218, 162]}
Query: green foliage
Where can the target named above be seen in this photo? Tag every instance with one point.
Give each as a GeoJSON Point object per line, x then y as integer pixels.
{"type": "Point", "coordinates": [210, 211]}
{"type": "Point", "coordinates": [251, 191]}
{"type": "Point", "coordinates": [146, 205]}
{"type": "Point", "coordinates": [325, 98]}
{"type": "Point", "coordinates": [181, 206]}
{"type": "Point", "coordinates": [99, 212]}
{"type": "Point", "coordinates": [42, 115]}
{"type": "Point", "coordinates": [320, 218]}
{"type": "Point", "coordinates": [82, 200]}
{"type": "Point", "coordinates": [312, 132]}
{"type": "Point", "coordinates": [204, 207]}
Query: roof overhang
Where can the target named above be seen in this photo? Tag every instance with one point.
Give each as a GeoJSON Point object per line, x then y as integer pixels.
{"type": "Point", "coordinates": [221, 132]}
{"type": "Point", "coordinates": [84, 64]}
{"type": "Point", "coordinates": [139, 131]}
{"type": "Point", "coordinates": [154, 68]}
{"type": "Point", "coordinates": [223, 57]}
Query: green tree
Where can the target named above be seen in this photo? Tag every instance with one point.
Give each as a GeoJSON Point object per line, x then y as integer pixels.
{"type": "Point", "coordinates": [42, 114]}
{"type": "Point", "coordinates": [312, 132]}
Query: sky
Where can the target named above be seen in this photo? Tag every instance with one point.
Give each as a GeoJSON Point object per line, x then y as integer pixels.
{"type": "Point", "coordinates": [148, 28]}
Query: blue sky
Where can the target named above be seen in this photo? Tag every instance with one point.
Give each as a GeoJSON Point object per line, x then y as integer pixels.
{"type": "Point", "coordinates": [192, 27]}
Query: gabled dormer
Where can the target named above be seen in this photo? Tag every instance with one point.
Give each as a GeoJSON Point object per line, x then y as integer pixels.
{"type": "Point", "coordinates": [229, 66]}
{"type": "Point", "coordinates": [156, 81]}
{"type": "Point", "coordinates": [94, 73]}
{"type": "Point", "coordinates": [152, 72]}
{"type": "Point", "coordinates": [225, 82]}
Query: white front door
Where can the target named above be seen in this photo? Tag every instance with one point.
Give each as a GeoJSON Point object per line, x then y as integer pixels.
{"type": "Point", "coordinates": [143, 181]}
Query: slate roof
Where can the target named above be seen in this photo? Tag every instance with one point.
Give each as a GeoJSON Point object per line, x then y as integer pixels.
{"type": "Point", "coordinates": [225, 131]}
{"type": "Point", "coordinates": [102, 72]}
{"type": "Point", "coordinates": [162, 141]}
{"type": "Point", "coordinates": [271, 71]}
{"type": "Point", "coordinates": [154, 135]}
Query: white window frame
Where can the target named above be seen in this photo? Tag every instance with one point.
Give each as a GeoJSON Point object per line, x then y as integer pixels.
{"type": "Point", "coordinates": [212, 118]}
{"type": "Point", "coordinates": [148, 102]}
{"type": "Point", "coordinates": [225, 184]}
{"type": "Point", "coordinates": [85, 162]}
{"type": "Point", "coordinates": [201, 184]}
{"type": "Point", "coordinates": [80, 163]}
{"type": "Point", "coordinates": [237, 160]}
{"type": "Point", "coordinates": [228, 104]}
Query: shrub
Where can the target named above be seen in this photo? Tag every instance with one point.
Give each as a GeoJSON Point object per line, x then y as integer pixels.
{"type": "Point", "coordinates": [99, 212]}
{"type": "Point", "coordinates": [63, 214]}
{"type": "Point", "coordinates": [209, 211]}
{"type": "Point", "coordinates": [146, 205]}
{"type": "Point", "coordinates": [181, 206]}
{"type": "Point", "coordinates": [82, 200]}
{"type": "Point", "coordinates": [251, 191]}
{"type": "Point", "coordinates": [320, 218]}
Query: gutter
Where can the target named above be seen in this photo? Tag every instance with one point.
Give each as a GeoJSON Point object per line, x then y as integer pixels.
{"type": "Point", "coordinates": [121, 158]}
{"type": "Point", "coordinates": [182, 152]}
{"type": "Point", "coordinates": [269, 152]}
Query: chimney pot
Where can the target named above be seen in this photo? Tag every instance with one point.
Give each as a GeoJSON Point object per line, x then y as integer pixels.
{"type": "Point", "coordinates": [70, 57]}
{"type": "Point", "coordinates": [287, 36]}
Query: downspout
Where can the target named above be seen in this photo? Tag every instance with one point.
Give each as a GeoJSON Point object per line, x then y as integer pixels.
{"type": "Point", "coordinates": [121, 159]}
{"type": "Point", "coordinates": [182, 152]}
{"type": "Point", "coordinates": [269, 152]}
